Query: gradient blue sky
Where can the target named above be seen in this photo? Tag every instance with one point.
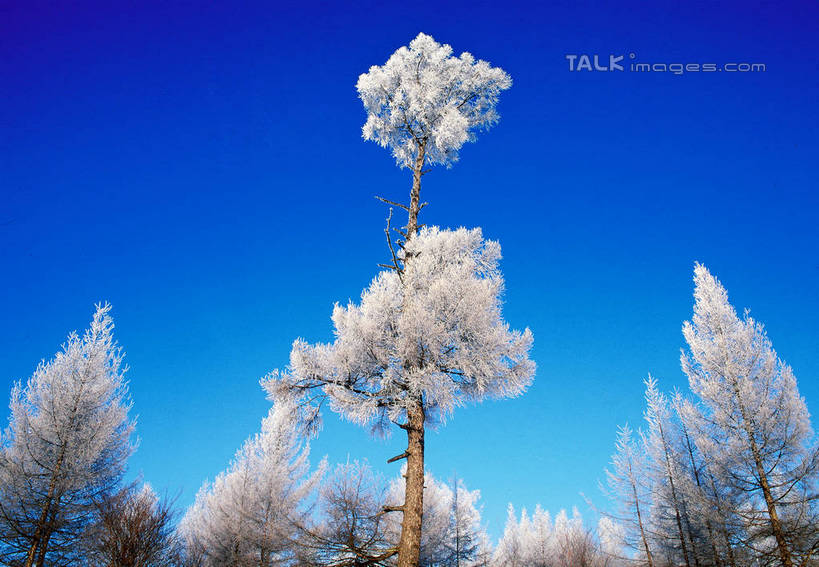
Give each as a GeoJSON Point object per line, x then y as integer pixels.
{"type": "Point", "coordinates": [200, 166]}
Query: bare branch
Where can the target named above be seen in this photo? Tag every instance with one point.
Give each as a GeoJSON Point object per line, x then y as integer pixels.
{"type": "Point", "coordinates": [403, 455]}
{"type": "Point", "coordinates": [393, 203]}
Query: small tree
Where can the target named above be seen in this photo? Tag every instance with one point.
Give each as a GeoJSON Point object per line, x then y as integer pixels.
{"type": "Point", "coordinates": [66, 446]}
{"type": "Point", "coordinates": [423, 105]}
{"type": "Point", "coordinates": [249, 516]}
{"type": "Point", "coordinates": [537, 542]}
{"type": "Point", "coordinates": [134, 528]}
{"type": "Point", "coordinates": [513, 548]}
{"type": "Point", "coordinates": [756, 425]}
{"type": "Point", "coordinates": [626, 488]}
{"type": "Point", "coordinates": [468, 543]}
{"type": "Point", "coordinates": [350, 529]}
{"type": "Point", "coordinates": [669, 516]}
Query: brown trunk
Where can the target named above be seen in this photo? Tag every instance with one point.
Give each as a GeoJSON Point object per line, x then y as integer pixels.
{"type": "Point", "coordinates": [649, 558]}
{"type": "Point", "coordinates": [674, 497]}
{"type": "Point", "coordinates": [776, 525]}
{"type": "Point", "coordinates": [41, 536]}
{"type": "Point", "coordinates": [690, 449]}
{"type": "Point", "coordinates": [409, 546]}
{"type": "Point", "coordinates": [43, 549]}
{"type": "Point", "coordinates": [415, 194]}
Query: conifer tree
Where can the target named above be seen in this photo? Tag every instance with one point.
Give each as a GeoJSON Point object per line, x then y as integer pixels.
{"type": "Point", "coordinates": [757, 427]}
{"type": "Point", "coordinates": [65, 447]}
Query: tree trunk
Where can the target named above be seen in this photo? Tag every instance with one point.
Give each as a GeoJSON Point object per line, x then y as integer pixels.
{"type": "Point", "coordinates": [773, 516]}
{"type": "Point", "coordinates": [41, 534]}
{"type": "Point", "coordinates": [43, 549]}
{"type": "Point", "coordinates": [674, 496]}
{"type": "Point", "coordinates": [690, 450]}
{"type": "Point", "coordinates": [649, 558]}
{"type": "Point", "coordinates": [415, 194]}
{"type": "Point", "coordinates": [776, 525]}
{"type": "Point", "coordinates": [409, 545]}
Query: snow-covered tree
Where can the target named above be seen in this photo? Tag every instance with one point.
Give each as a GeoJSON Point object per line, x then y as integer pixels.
{"type": "Point", "coordinates": [627, 489]}
{"type": "Point", "coordinates": [468, 542]}
{"type": "Point", "coordinates": [512, 549]}
{"type": "Point", "coordinates": [539, 542]}
{"type": "Point", "coordinates": [669, 515]}
{"type": "Point", "coordinates": [423, 104]}
{"type": "Point", "coordinates": [611, 538]}
{"type": "Point", "coordinates": [408, 352]}
{"type": "Point", "coordinates": [756, 425]}
{"type": "Point", "coordinates": [66, 445]}
{"type": "Point", "coordinates": [249, 515]}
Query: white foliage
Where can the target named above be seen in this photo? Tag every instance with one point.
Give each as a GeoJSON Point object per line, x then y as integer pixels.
{"type": "Point", "coordinates": [626, 487]}
{"type": "Point", "coordinates": [611, 536]}
{"type": "Point", "coordinates": [751, 421]}
{"type": "Point", "coordinates": [67, 440]}
{"type": "Point", "coordinates": [747, 391]}
{"type": "Point", "coordinates": [248, 515]}
{"type": "Point", "coordinates": [425, 95]}
{"type": "Point", "coordinates": [539, 542]}
{"type": "Point", "coordinates": [434, 333]}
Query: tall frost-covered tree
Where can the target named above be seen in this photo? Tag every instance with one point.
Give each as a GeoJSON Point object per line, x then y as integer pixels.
{"type": "Point", "coordinates": [420, 343]}
{"type": "Point", "coordinates": [427, 335]}
{"type": "Point", "coordinates": [248, 516]}
{"type": "Point", "coordinates": [756, 426]}
{"type": "Point", "coordinates": [66, 445]}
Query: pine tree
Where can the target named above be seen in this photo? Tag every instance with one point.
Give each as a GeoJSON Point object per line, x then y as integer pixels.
{"type": "Point", "coordinates": [626, 488]}
{"type": "Point", "coordinates": [756, 425]}
{"type": "Point", "coordinates": [249, 515]}
{"type": "Point", "coordinates": [65, 447]}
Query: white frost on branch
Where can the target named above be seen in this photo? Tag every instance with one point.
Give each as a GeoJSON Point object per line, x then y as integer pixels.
{"type": "Point", "coordinates": [249, 514]}
{"type": "Point", "coordinates": [434, 333]}
{"type": "Point", "coordinates": [423, 95]}
{"type": "Point", "coordinates": [66, 445]}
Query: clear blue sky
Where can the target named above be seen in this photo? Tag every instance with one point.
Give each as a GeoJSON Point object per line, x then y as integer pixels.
{"type": "Point", "coordinates": [200, 166]}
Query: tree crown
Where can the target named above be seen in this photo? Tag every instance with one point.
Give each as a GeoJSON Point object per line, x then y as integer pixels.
{"type": "Point", "coordinates": [434, 333]}
{"type": "Point", "coordinates": [423, 95]}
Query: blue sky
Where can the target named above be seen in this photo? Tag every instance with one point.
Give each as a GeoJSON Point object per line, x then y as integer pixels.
{"type": "Point", "coordinates": [201, 168]}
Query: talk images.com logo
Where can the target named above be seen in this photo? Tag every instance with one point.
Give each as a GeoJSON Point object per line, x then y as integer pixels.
{"type": "Point", "coordinates": [582, 62]}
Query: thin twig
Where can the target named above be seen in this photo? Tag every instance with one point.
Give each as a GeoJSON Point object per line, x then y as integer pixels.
{"type": "Point", "coordinates": [393, 203]}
